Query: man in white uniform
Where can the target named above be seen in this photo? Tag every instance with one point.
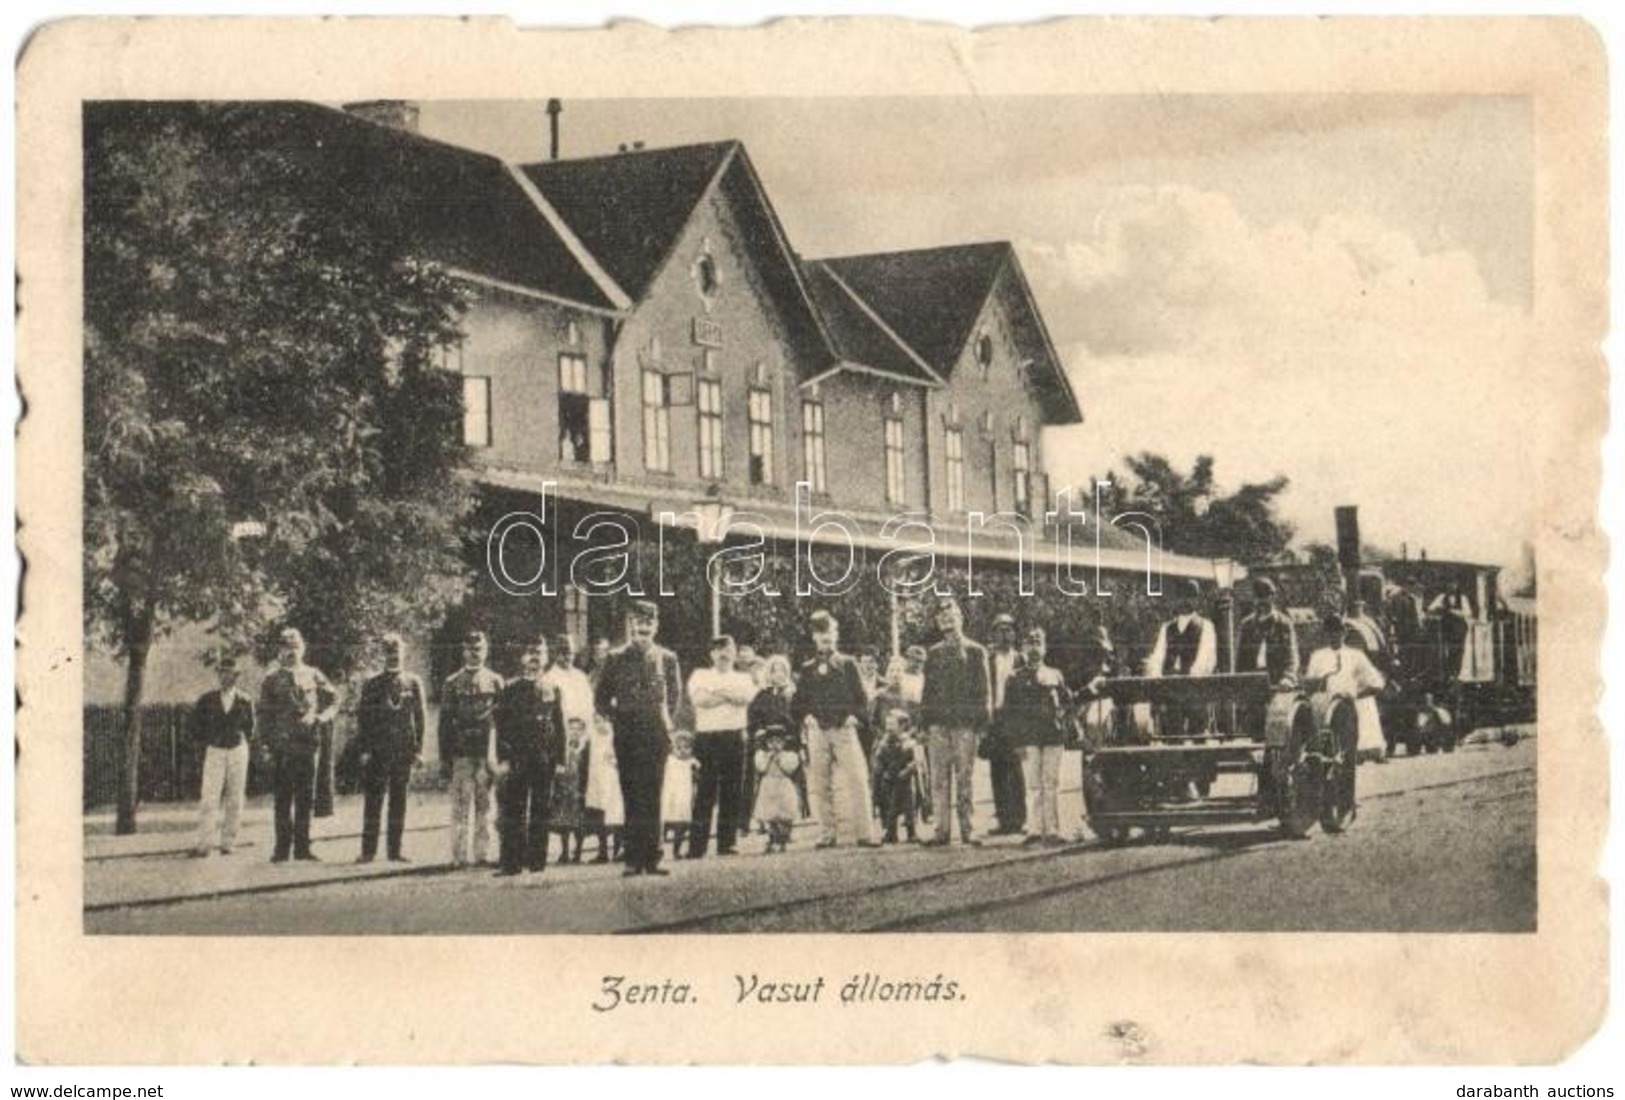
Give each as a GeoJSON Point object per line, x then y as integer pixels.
{"type": "Point", "coordinates": [1343, 669]}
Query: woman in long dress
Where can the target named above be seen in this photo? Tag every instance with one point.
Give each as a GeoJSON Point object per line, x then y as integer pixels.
{"type": "Point", "coordinates": [606, 813]}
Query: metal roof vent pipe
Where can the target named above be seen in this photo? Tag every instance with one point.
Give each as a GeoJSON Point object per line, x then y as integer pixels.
{"type": "Point", "coordinates": [554, 109]}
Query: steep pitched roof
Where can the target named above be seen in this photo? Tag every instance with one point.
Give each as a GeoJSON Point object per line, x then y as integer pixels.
{"type": "Point", "coordinates": [857, 335]}
{"type": "Point", "coordinates": [933, 297]}
{"type": "Point", "coordinates": [930, 297]}
{"type": "Point", "coordinates": [460, 208]}
{"type": "Point", "coordinates": [630, 208]}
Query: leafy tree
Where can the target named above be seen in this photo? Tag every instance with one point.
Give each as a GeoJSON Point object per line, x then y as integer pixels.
{"type": "Point", "coordinates": [1194, 518]}
{"type": "Point", "coordinates": [262, 359]}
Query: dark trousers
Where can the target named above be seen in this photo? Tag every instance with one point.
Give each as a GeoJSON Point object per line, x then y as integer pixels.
{"type": "Point", "coordinates": [326, 773]}
{"type": "Point", "coordinates": [642, 765]}
{"type": "Point", "coordinates": [383, 778]}
{"type": "Point", "coordinates": [1009, 786]}
{"type": "Point", "coordinates": [293, 786]}
{"type": "Point", "coordinates": [896, 801]}
{"type": "Point", "coordinates": [721, 787]}
{"type": "Point", "coordinates": [527, 794]}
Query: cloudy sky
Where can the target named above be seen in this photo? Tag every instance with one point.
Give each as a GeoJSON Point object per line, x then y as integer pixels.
{"type": "Point", "coordinates": [1335, 288]}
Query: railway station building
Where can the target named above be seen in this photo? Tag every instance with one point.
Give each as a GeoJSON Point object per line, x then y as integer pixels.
{"type": "Point", "coordinates": [655, 379]}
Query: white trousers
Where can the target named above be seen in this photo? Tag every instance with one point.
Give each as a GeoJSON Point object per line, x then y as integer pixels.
{"type": "Point", "coordinates": [470, 790]}
{"type": "Point", "coordinates": [225, 779]}
{"type": "Point", "coordinates": [1042, 768]}
{"type": "Point", "coordinates": [838, 775]}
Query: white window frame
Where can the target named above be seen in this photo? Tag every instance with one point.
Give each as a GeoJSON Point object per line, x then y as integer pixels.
{"type": "Point", "coordinates": [477, 426]}
{"type": "Point", "coordinates": [896, 477]}
{"type": "Point", "coordinates": [953, 449]}
{"type": "Point", "coordinates": [656, 422]}
{"type": "Point", "coordinates": [1022, 462]}
{"type": "Point", "coordinates": [708, 416]}
{"type": "Point", "coordinates": [813, 448]}
{"type": "Point", "coordinates": [759, 412]}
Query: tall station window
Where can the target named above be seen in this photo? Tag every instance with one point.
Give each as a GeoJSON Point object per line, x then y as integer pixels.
{"type": "Point", "coordinates": [476, 410]}
{"type": "Point", "coordinates": [708, 396]}
{"type": "Point", "coordinates": [954, 449]}
{"type": "Point", "coordinates": [896, 486]}
{"type": "Point", "coordinates": [759, 407]}
{"type": "Point", "coordinates": [812, 444]}
{"type": "Point", "coordinates": [584, 422]}
{"type": "Point", "coordinates": [1023, 463]}
{"type": "Point", "coordinates": [656, 421]}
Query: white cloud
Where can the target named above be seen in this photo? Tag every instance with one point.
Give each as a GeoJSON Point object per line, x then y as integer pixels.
{"type": "Point", "coordinates": [1336, 353]}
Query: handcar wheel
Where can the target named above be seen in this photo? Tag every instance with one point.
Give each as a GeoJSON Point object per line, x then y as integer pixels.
{"type": "Point", "coordinates": [1337, 797]}
{"type": "Point", "coordinates": [1297, 793]}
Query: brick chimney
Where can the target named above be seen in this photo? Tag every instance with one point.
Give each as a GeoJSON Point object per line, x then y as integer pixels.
{"type": "Point", "coordinates": [401, 114]}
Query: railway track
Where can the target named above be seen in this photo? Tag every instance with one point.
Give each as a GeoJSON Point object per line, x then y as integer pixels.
{"type": "Point", "coordinates": [837, 911]}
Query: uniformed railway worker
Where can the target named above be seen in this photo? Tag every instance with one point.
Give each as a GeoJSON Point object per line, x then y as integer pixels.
{"type": "Point", "coordinates": [1004, 756]}
{"type": "Point", "coordinates": [530, 746]}
{"type": "Point", "coordinates": [296, 700]}
{"type": "Point", "coordinates": [1266, 640]}
{"type": "Point", "coordinates": [639, 691]}
{"type": "Point", "coordinates": [468, 703]}
{"type": "Point", "coordinates": [390, 723]}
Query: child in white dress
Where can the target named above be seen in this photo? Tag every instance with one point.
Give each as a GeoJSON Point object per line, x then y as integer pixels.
{"type": "Point", "coordinates": [677, 792]}
{"type": "Point", "coordinates": [606, 812]}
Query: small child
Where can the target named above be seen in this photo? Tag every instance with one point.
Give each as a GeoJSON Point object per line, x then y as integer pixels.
{"type": "Point", "coordinates": [677, 794]}
{"type": "Point", "coordinates": [777, 802]}
{"type": "Point", "coordinates": [565, 814]}
{"type": "Point", "coordinates": [606, 812]}
{"type": "Point", "coordinates": [896, 773]}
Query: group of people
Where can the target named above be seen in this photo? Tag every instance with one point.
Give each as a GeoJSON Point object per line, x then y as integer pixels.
{"type": "Point", "coordinates": [561, 751]}
{"type": "Point", "coordinates": [609, 751]}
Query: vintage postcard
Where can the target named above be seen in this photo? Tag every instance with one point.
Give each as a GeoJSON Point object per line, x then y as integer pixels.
{"type": "Point", "coordinates": [838, 541]}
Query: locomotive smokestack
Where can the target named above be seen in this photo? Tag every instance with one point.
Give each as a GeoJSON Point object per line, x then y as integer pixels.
{"type": "Point", "coordinates": [1348, 536]}
{"type": "Point", "coordinates": [554, 108]}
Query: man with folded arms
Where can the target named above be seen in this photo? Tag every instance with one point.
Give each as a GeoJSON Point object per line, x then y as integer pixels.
{"type": "Point", "coordinates": [721, 696]}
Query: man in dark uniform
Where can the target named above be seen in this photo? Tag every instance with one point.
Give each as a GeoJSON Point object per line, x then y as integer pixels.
{"type": "Point", "coordinates": [1266, 639]}
{"type": "Point", "coordinates": [639, 691]}
{"type": "Point", "coordinates": [295, 701]}
{"type": "Point", "coordinates": [1004, 758]}
{"type": "Point", "coordinates": [530, 746]}
{"type": "Point", "coordinates": [389, 730]}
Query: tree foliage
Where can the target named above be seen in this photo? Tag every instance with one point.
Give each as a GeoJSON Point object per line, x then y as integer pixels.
{"type": "Point", "coordinates": [261, 348]}
{"type": "Point", "coordinates": [1194, 518]}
